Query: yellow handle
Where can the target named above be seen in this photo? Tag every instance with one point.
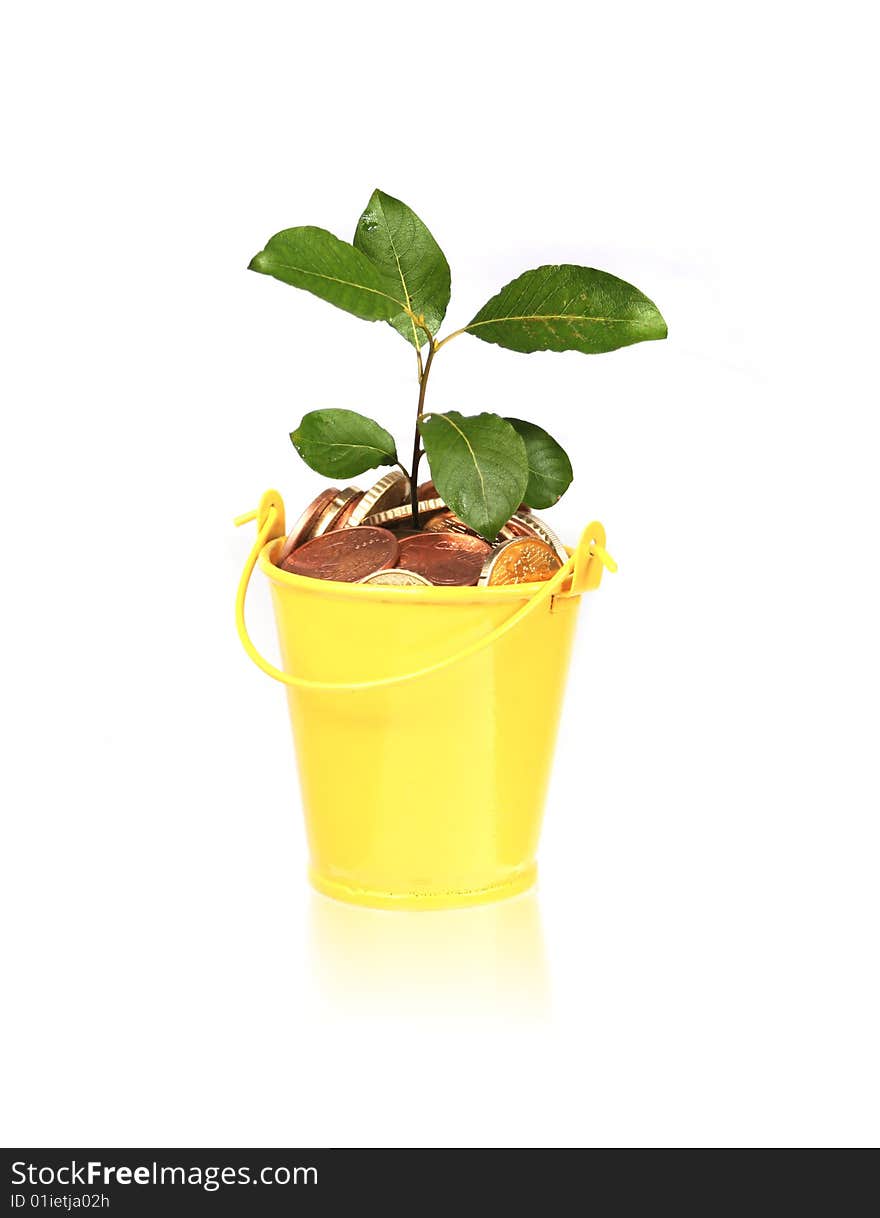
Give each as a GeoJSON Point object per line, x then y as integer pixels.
{"type": "Point", "coordinates": [269, 515]}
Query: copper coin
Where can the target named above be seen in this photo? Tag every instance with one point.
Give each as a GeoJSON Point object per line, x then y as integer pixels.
{"type": "Point", "coordinates": [395, 578]}
{"type": "Point", "coordinates": [334, 509]}
{"type": "Point", "coordinates": [427, 490]}
{"type": "Point", "coordinates": [302, 530]}
{"type": "Point", "coordinates": [389, 492]}
{"type": "Point", "coordinates": [447, 522]}
{"type": "Point", "coordinates": [346, 555]}
{"type": "Point", "coordinates": [445, 558]}
{"type": "Point", "coordinates": [404, 512]}
{"type": "Point", "coordinates": [538, 528]}
{"type": "Point", "coordinates": [524, 560]}
{"type": "Point", "coordinates": [341, 521]}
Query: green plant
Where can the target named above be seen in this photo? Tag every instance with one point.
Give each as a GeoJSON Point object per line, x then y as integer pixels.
{"type": "Point", "coordinates": [483, 465]}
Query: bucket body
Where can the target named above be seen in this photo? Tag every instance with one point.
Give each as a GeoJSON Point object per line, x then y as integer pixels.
{"type": "Point", "coordinates": [428, 793]}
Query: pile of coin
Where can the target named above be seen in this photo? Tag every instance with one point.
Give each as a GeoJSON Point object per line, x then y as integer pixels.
{"type": "Point", "coordinates": [366, 537]}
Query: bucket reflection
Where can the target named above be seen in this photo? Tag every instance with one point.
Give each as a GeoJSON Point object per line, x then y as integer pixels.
{"type": "Point", "coordinates": [486, 960]}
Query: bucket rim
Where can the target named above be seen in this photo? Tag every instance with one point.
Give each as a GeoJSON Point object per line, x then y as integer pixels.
{"type": "Point", "coordinates": [416, 594]}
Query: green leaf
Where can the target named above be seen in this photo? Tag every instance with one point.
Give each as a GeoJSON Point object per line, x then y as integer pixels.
{"type": "Point", "coordinates": [568, 308]}
{"type": "Point", "coordinates": [397, 242]}
{"type": "Point", "coordinates": [313, 259]}
{"type": "Point", "coordinates": [550, 471]}
{"type": "Point", "coordinates": [342, 443]}
{"type": "Point", "coordinates": [478, 465]}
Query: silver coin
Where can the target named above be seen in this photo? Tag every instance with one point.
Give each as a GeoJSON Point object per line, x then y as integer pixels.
{"type": "Point", "coordinates": [396, 577]}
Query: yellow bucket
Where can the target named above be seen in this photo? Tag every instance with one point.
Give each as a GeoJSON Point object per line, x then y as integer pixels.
{"type": "Point", "coordinates": [424, 721]}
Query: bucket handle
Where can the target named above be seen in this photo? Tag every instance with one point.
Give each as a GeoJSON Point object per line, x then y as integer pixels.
{"type": "Point", "coordinates": [584, 565]}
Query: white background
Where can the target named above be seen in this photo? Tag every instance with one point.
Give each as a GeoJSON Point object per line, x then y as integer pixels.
{"type": "Point", "coordinates": [698, 967]}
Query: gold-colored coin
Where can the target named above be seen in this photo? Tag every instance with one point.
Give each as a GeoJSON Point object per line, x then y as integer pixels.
{"type": "Point", "coordinates": [447, 522]}
{"type": "Point", "coordinates": [328, 519]}
{"type": "Point", "coordinates": [514, 528]}
{"type": "Point", "coordinates": [389, 492]}
{"type": "Point", "coordinates": [524, 560]}
{"type": "Point", "coordinates": [341, 521]}
{"type": "Point", "coordinates": [403, 512]}
{"type": "Point", "coordinates": [397, 577]}
{"type": "Point", "coordinates": [538, 528]}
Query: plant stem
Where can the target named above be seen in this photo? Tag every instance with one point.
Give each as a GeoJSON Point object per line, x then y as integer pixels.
{"type": "Point", "coordinates": [417, 455]}
{"type": "Point", "coordinates": [449, 337]}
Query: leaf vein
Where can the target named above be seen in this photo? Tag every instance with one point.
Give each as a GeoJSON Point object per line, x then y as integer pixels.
{"type": "Point", "coordinates": [400, 273]}
{"type": "Point", "coordinates": [341, 444]}
{"type": "Point", "coordinates": [348, 283]}
{"type": "Point", "coordinates": [572, 318]}
{"type": "Point", "coordinates": [473, 458]}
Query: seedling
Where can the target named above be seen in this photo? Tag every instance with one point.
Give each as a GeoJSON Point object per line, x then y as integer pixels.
{"type": "Point", "coordinates": [483, 466]}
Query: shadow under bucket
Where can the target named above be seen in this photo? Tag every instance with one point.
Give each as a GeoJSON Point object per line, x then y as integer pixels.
{"type": "Point", "coordinates": [424, 722]}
